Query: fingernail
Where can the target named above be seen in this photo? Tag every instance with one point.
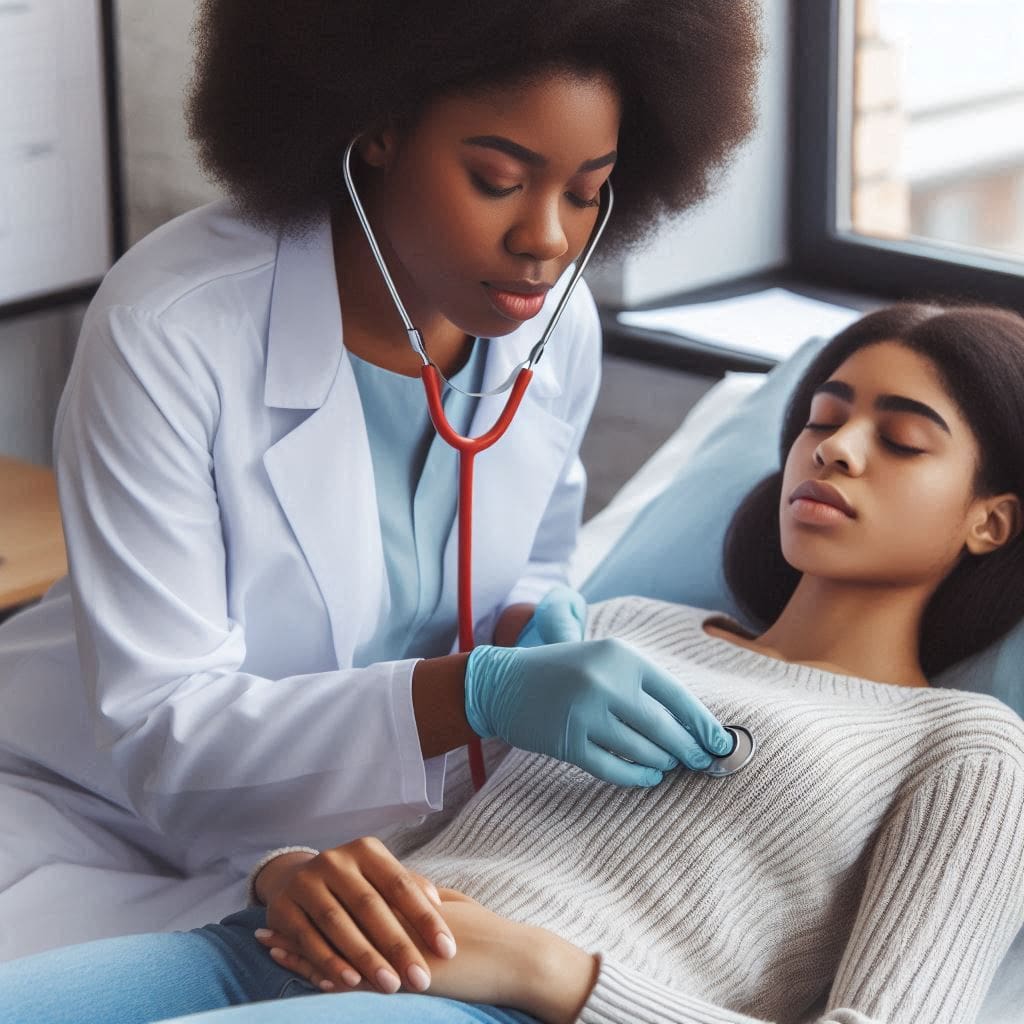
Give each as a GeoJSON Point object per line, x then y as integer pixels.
{"type": "Point", "coordinates": [350, 977]}
{"type": "Point", "coordinates": [653, 777]}
{"type": "Point", "coordinates": [263, 933]}
{"type": "Point", "coordinates": [445, 944]}
{"type": "Point", "coordinates": [701, 761]}
{"type": "Point", "coordinates": [418, 978]}
{"type": "Point", "coordinates": [388, 981]}
{"type": "Point", "coordinates": [278, 954]}
{"type": "Point", "coordinates": [724, 744]}
{"type": "Point", "coordinates": [326, 986]}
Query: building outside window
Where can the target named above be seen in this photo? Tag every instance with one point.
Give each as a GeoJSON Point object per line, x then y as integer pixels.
{"type": "Point", "coordinates": [936, 143]}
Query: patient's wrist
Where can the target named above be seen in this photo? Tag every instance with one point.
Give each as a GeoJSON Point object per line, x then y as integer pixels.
{"type": "Point", "coordinates": [558, 977]}
{"type": "Point", "coordinates": [275, 873]}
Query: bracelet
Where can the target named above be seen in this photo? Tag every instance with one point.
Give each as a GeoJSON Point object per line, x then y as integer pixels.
{"type": "Point", "coordinates": [252, 900]}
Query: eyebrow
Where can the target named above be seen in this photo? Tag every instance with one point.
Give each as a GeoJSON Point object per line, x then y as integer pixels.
{"type": "Point", "coordinates": [887, 403]}
{"type": "Point", "coordinates": [527, 156]}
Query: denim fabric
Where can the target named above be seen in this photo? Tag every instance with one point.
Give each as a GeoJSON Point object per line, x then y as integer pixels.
{"type": "Point", "coordinates": [142, 978]}
{"type": "Point", "coordinates": [139, 979]}
{"type": "Point", "coordinates": [363, 1008]}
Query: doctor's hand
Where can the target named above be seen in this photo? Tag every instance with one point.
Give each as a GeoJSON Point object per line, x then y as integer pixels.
{"type": "Point", "coordinates": [598, 704]}
{"type": "Point", "coordinates": [560, 618]}
{"type": "Point", "coordinates": [355, 913]}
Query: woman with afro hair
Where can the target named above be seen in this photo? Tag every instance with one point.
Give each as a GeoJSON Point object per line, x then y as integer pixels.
{"type": "Point", "coordinates": [253, 644]}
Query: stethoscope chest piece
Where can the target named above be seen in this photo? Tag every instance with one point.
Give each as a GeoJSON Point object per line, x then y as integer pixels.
{"type": "Point", "coordinates": [742, 751]}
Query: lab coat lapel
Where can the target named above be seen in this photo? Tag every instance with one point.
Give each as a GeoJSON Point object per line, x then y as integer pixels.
{"type": "Point", "coordinates": [515, 478]}
{"type": "Point", "coordinates": [322, 472]}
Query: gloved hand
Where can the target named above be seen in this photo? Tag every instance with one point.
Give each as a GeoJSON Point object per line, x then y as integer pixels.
{"type": "Point", "coordinates": [561, 617]}
{"type": "Point", "coordinates": [588, 702]}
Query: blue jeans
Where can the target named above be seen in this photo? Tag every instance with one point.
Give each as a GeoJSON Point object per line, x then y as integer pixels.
{"type": "Point", "coordinates": [139, 979]}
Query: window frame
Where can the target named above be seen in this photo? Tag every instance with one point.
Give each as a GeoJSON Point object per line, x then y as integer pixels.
{"type": "Point", "coordinates": [819, 253]}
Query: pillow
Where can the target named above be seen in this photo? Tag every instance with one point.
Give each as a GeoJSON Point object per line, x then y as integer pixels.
{"type": "Point", "coordinates": [604, 530]}
{"type": "Point", "coordinates": [672, 549]}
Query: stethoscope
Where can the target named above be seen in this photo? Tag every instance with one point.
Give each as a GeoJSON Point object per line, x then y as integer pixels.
{"type": "Point", "coordinates": [469, 447]}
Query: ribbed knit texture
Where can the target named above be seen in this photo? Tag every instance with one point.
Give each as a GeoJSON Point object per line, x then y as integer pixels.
{"type": "Point", "coordinates": [866, 866]}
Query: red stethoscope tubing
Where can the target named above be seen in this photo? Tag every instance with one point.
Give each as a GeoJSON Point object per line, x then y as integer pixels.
{"type": "Point", "coordinates": [468, 448]}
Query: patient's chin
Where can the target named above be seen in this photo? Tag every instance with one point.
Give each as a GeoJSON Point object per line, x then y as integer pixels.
{"type": "Point", "coordinates": [825, 557]}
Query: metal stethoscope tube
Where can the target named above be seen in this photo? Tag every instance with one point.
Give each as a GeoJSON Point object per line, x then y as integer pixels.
{"type": "Point", "coordinates": [469, 447]}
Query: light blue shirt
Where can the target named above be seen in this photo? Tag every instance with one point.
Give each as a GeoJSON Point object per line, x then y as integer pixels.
{"type": "Point", "coordinates": [416, 480]}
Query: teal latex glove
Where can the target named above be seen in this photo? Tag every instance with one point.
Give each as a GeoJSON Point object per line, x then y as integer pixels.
{"type": "Point", "coordinates": [588, 702]}
{"type": "Point", "coordinates": [560, 618]}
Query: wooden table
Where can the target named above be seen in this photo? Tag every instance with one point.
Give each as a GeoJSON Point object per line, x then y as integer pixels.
{"type": "Point", "coordinates": [32, 554]}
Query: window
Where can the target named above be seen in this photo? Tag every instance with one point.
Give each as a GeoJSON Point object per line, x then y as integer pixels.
{"type": "Point", "coordinates": [910, 138]}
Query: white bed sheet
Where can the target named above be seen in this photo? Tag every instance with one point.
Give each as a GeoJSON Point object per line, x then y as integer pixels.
{"type": "Point", "coordinates": [1005, 1001]}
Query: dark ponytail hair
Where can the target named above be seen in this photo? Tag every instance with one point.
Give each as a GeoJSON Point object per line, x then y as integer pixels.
{"type": "Point", "coordinates": [979, 355]}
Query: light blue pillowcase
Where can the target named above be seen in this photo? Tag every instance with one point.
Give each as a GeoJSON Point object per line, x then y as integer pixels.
{"type": "Point", "coordinates": [673, 549]}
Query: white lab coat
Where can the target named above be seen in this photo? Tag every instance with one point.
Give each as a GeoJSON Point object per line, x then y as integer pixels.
{"type": "Point", "coordinates": [185, 699]}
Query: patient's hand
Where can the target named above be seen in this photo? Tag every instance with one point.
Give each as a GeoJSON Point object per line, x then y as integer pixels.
{"type": "Point", "coordinates": [500, 962]}
{"type": "Point", "coordinates": [356, 912]}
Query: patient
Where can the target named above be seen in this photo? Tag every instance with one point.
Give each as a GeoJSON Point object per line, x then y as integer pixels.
{"type": "Point", "coordinates": [867, 865]}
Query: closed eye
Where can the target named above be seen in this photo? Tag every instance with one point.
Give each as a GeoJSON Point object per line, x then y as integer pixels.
{"type": "Point", "coordinates": [500, 193]}
{"type": "Point", "coordinates": [902, 449]}
{"type": "Point", "coordinates": [490, 190]}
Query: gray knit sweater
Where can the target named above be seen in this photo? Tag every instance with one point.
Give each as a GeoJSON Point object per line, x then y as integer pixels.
{"type": "Point", "coordinates": [867, 865]}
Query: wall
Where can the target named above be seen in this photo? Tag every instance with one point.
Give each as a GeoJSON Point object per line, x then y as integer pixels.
{"type": "Point", "coordinates": [155, 51]}
{"type": "Point", "coordinates": [739, 231]}
{"type": "Point", "coordinates": [161, 180]}
{"type": "Point", "coordinates": [35, 352]}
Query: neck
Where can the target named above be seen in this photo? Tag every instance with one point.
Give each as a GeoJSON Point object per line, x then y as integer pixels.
{"type": "Point", "coordinates": [371, 325]}
{"type": "Point", "coordinates": [869, 632]}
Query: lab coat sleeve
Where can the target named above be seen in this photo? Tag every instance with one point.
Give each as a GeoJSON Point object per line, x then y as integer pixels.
{"type": "Point", "coordinates": [559, 528]}
{"type": "Point", "coordinates": [200, 747]}
{"type": "Point", "coordinates": [943, 900]}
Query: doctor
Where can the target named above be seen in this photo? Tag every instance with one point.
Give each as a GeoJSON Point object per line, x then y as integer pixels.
{"type": "Point", "coordinates": [253, 644]}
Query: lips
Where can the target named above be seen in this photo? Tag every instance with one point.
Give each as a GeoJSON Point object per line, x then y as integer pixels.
{"type": "Point", "coordinates": [826, 494]}
{"type": "Point", "coordinates": [517, 300]}
{"type": "Point", "coordinates": [521, 287]}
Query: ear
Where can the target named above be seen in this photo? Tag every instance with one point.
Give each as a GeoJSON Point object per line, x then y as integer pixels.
{"type": "Point", "coordinates": [997, 520]}
{"type": "Point", "coordinates": [378, 147]}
